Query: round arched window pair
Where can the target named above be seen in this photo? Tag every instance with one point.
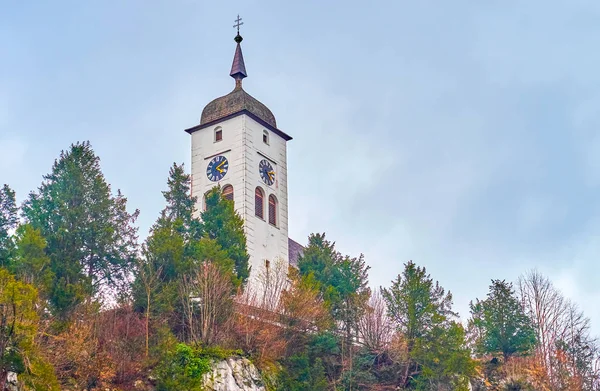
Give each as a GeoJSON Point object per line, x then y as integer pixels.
{"type": "Point", "coordinates": [259, 206]}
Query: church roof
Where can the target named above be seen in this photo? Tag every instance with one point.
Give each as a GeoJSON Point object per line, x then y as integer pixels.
{"type": "Point", "coordinates": [237, 100]}
{"type": "Point", "coordinates": [295, 250]}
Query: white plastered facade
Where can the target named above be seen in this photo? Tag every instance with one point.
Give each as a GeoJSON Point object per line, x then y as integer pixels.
{"type": "Point", "coordinates": [242, 144]}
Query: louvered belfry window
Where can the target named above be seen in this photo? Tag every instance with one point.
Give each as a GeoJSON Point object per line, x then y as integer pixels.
{"type": "Point", "coordinates": [228, 192]}
{"type": "Point", "coordinates": [272, 210]}
{"type": "Point", "coordinates": [259, 198]}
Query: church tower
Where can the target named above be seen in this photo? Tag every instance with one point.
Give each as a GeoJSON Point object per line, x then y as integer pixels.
{"type": "Point", "coordinates": [238, 146]}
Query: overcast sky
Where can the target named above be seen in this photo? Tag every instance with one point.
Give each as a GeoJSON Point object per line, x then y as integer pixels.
{"type": "Point", "coordinates": [460, 134]}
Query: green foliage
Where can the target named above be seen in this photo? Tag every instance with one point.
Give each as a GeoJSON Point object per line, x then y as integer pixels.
{"type": "Point", "coordinates": [302, 374]}
{"type": "Point", "coordinates": [180, 204]}
{"type": "Point", "coordinates": [421, 311]}
{"type": "Point", "coordinates": [343, 281]}
{"type": "Point", "coordinates": [165, 249]}
{"type": "Point", "coordinates": [221, 223]}
{"type": "Point", "coordinates": [79, 238]}
{"type": "Point", "coordinates": [500, 324]}
{"type": "Point", "coordinates": [90, 236]}
{"type": "Point", "coordinates": [31, 264]}
{"type": "Point", "coordinates": [183, 367]}
{"type": "Point", "coordinates": [327, 348]}
{"type": "Point", "coordinates": [415, 303]}
{"type": "Point", "coordinates": [8, 221]}
{"type": "Point", "coordinates": [209, 250]}
{"type": "Point", "coordinates": [173, 236]}
{"type": "Point", "coordinates": [39, 376]}
{"type": "Point", "coordinates": [18, 328]}
{"type": "Point", "coordinates": [444, 359]}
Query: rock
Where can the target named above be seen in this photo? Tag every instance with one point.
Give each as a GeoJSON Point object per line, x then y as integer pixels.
{"type": "Point", "coordinates": [234, 374]}
{"type": "Point", "coordinates": [12, 383]}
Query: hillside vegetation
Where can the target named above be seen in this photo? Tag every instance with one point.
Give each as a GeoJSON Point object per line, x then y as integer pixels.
{"type": "Point", "coordinates": [85, 305]}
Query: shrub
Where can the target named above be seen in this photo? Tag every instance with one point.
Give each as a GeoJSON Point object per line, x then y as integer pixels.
{"type": "Point", "coordinates": [184, 367]}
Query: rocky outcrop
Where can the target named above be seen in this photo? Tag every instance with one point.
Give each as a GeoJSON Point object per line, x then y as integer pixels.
{"type": "Point", "coordinates": [234, 374]}
{"type": "Point", "coordinates": [12, 383]}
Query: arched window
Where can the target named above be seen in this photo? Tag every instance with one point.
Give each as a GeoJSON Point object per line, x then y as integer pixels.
{"type": "Point", "coordinates": [265, 137]}
{"type": "Point", "coordinates": [228, 192]}
{"type": "Point", "coordinates": [218, 134]}
{"type": "Point", "coordinates": [272, 210]}
{"type": "Point", "coordinates": [259, 203]}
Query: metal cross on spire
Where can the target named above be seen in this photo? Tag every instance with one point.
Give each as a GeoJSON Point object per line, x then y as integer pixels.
{"type": "Point", "coordinates": [238, 23]}
{"type": "Point", "coordinates": [238, 68]}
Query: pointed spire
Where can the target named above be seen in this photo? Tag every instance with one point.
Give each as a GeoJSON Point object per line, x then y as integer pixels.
{"type": "Point", "coordinates": [238, 68]}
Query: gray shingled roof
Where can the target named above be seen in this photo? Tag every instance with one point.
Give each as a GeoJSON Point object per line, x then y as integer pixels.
{"type": "Point", "coordinates": [295, 250]}
{"type": "Point", "coordinates": [234, 102]}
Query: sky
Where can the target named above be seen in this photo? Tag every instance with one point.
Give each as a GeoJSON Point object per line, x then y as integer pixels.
{"type": "Point", "coordinates": [461, 135]}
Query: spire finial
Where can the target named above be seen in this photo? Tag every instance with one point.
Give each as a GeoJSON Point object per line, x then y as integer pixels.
{"type": "Point", "coordinates": [238, 22]}
{"type": "Point", "coordinates": [238, 68]}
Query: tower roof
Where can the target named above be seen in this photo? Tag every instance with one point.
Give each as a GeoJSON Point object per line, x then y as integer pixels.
{"type": "Point", "coordinates": [237, 100]}
{"type": "Point", "coordinates": [238, 68]}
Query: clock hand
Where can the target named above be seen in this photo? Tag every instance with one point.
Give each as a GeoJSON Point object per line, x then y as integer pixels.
{"type": "Point", "coordinates": [271, 175]}
{"type": "Point", "coordinates": [218, 168]}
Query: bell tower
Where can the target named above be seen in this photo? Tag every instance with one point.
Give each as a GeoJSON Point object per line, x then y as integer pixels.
{"type": "Point", "coordinates": [238, 146]}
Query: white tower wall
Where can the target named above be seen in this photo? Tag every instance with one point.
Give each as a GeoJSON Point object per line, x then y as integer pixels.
{"type": "Point", "coordinates": [243, 146]}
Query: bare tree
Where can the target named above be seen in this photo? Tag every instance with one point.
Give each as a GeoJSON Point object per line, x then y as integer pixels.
{"type": "Point", "coordinates": [206, 296]}
{"type": "Point", "coordinates": [149, 276]}
{"type": "Point", "coordinates": [272, 280]}
{"type": "Point", "coordinates": [375, 327]}
{"type": "Point", "coordinates": [564, 345]}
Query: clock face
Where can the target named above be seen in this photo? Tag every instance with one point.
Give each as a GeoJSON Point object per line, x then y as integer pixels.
{"type": "Point", "coordinates": [217, 168]}
{"type": "Point", "coordinates": [267, 173]}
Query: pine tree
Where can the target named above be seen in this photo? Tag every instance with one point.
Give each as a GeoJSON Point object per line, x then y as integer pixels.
{"type": "Point", "coordinates": [90, 235]}
{"type": "Point", "coordinates": [180, 203]}
{"type": "Point", "coordinates": [8, 221]}
{"type": "Point", "coordinates": [503, 326]}
{"type": "Point", "coordinates": [435, 343]}
{"type": "Point", "coordinates": [221, 223]}
{"type": "Point", "coordinates": [176, 228]}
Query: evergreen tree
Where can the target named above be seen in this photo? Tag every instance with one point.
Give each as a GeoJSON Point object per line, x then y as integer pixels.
{"type": "Point", "coordinates": [422, 313]}
{"type": "Point", "coordinates": [180, 203]}
{"type": "Point", "coordinates": [90, 235]}
{"type": "Point", "coordinates": [169, 253]}
{"type": "Point", "coordinates": [221, 223]}
{"type": "Point", "coordinates": [503, 326]}
{"type": "Point", "coordinates": [343, 282]}
{"type": "Point", "coordinates": [303, 374]}
{"type": "Point", "coordinates": [176, 225]}
{"type": "Point", "coordinates": [8, 221]}
{"type": "Point", "coordinates": [31, 264]}
{"type": "Point", "coordinates": [318, 258]}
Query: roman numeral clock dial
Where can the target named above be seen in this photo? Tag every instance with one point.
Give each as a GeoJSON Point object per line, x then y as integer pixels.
{"type": "Point", "coordinates": [217, 168]}
{"type": "Point", "coordinates": [267, 173]}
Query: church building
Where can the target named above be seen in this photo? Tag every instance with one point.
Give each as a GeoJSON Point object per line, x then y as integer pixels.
{"type": "Point", "coordinates": [238, 146]}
